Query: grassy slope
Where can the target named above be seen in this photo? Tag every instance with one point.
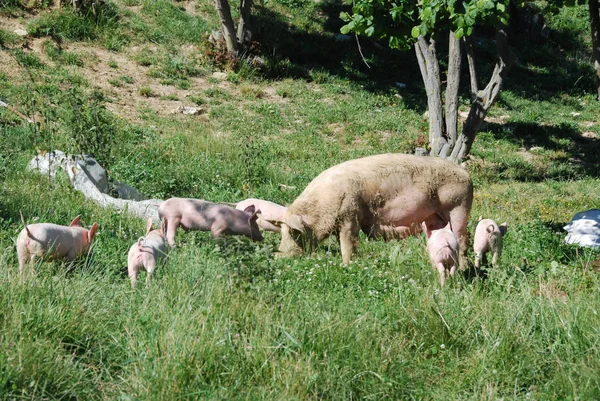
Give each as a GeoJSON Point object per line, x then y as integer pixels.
{"type": "Point", "coordinates": [224, 319]}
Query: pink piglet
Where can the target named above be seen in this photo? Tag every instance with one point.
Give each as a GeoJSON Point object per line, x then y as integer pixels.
{"type": "Point", "coordinates": [443, 247]}
{"type": "Point", "coordinates": [54, 241]}
{"type": "Point", "coordinates": [147, 252]}
{"type": "Point", "coordinates": [488, 238]}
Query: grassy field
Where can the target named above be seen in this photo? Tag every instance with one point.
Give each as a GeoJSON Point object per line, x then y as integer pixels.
{"type": "Point", "coordinates": [224, 319]}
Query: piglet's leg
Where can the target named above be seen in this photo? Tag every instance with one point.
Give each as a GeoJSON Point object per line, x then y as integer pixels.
{"type": "Point", "coordinates": [149, 269]}
{"type": "Point", "coordinates": [132, 270]}
{"type": "Point", "coordinates": [495, 256]}
{"type": "Point", "coordinates": [442, 270]}
{"type": "Point", "coordinates": [172, 230]}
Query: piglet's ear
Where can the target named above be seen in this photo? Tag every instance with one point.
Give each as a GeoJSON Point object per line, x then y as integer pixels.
{"type": "Point", "coordinates": [149, 225]}
{"type": "Point", "coordinates": [250, 209]}
{"type": "Point", "coordinates": [93, 232]}
{"type": "Point", "coordinates": [503, 228]}
{"type": "Point", "coordinates": [255, 215]}
{"type": "Point", "coordinates": [76, 222]}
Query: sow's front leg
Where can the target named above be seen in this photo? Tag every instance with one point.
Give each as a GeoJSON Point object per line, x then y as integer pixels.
{"type": "Point", "coordinates": [348, 239]}
{"type": "Point", "coordinates": [459, 218]}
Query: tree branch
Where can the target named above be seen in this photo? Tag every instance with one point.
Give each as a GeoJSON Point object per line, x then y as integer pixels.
{"type": "Point", "coordinates": [468, 41]}
{"type": "Point", "coordinates": [595, 25]}
{"type": "Point", "coordinates": [244, 34]}
{"type": "Point", "coordinates": [485, 98]}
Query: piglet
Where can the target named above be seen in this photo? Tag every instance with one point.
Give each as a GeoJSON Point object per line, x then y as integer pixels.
{"type": "Point", "coordinates": [54, 241]}
{"type": "Point", "coordinates": [147, 252]}
{"type": "Point", "coordinates": [271, 214]}
{"type": "Point", "coordinates": [488, 238]}
{"type": "Point", "coordinates": [442, 247]}
{"type": "Point", "coordinates": [220, 219]}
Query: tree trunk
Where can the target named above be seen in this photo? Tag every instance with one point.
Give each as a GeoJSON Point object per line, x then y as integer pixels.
{"type": "Point", "coordinates": [244, 33]}
{"type": "Point", "coordinates": [224, 12]}
{"type": "Point", "coordinates": [595, 24]}
{"type": "Point", "coordinates": [452, 86]}
{"type": "Point", "coordinates": [485, 98]}
{"type": "Point", "coordinates": [430, 71]}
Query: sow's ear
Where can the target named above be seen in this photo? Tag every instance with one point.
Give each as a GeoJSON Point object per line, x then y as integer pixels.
{"type": "Point", "coordinates": [93, 232]}
{"type": "Point", "coordinates": [76, 222]}
{"type": "Point", "coordinates": [503, 228]}
{"type": "Point", "coordinates": [295, 222]}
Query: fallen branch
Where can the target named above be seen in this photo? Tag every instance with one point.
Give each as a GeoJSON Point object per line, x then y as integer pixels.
{"type": "Point", "coordinates": [76, 167]}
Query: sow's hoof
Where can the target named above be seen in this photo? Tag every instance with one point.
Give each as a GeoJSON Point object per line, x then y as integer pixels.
{"type": "Point", "coordinates": [281, 255]}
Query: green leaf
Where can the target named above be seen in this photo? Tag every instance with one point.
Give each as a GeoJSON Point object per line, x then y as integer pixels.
{"type": "Point", "coordinates": [416, 31]}
{"type": "Point", "coordinates": [370, 31]}
{"type": "Point", "coordinates": [459, 33]}
{"type": "Point", "coordinates": [346, 29]}
{"type": "Point", "coordinates": [500, 7]}
{"type": "Point", "coordinates": [427, 13]}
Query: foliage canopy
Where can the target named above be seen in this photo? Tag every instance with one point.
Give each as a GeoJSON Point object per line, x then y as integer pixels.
{"type": "Point", "coordinates": [401, 22]}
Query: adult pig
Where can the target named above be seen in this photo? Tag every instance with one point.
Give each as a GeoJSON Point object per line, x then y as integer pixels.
{"type": "Point", "coordinates": [443, 248]}
{"type": "Point", "coordinates": [219, 219]}
{"type": "Point", "coordinates": [147, 252]}
{"type": "Point", "coordinates": [54, 241]}
{"type": "Point", "coordinates": [389, 190]}
{"type": "Point", "coordinates": [271, 214]}
{"type": "Point", "coordinates": [488, 238]}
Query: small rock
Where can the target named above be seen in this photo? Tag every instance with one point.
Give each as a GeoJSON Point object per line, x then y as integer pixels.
{"type": "Point", "coordinates": [219, 75]}
{"type": "Point", "coordinates": [20, 32]}
{"type": "Point", "coordinates": [286, 187]}
{"type": "Point", "coordinates": [575, 114]}
{"type": "Point", "coordinates": [187, 110]}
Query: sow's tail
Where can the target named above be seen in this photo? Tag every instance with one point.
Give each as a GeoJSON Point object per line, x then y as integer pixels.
{"type": "Point", "coordinates": [24, 224]}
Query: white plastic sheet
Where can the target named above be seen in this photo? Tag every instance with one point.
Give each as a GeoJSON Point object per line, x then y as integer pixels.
{"type": "Point", "coordinates": [584, 229]}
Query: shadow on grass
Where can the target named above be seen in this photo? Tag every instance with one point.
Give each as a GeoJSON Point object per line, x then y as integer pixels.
{"type": "Point", "coordinates": [542, 70]}
{"type": "Point", "coordinates": [558, 66]}
{"type": "Point", "coordinates": [575, 156]}
{"type": "Point", "coordinates": [294, 52]}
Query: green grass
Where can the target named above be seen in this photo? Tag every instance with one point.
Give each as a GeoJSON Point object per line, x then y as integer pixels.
{"type": "Point", "coordinates": [224, 319]}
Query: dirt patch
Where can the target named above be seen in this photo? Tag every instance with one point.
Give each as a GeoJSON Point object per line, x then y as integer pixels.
{"type": "Point", "coordinates": [527, 156]}
{"type": "Point", "coordinates": [126, 82]}
{"type": "Point", "coordinates": [270, 94]}
{"type": "Point", "coordinates": [550, 291]}
{"type": "Point", "coordinates": [589, 134]}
